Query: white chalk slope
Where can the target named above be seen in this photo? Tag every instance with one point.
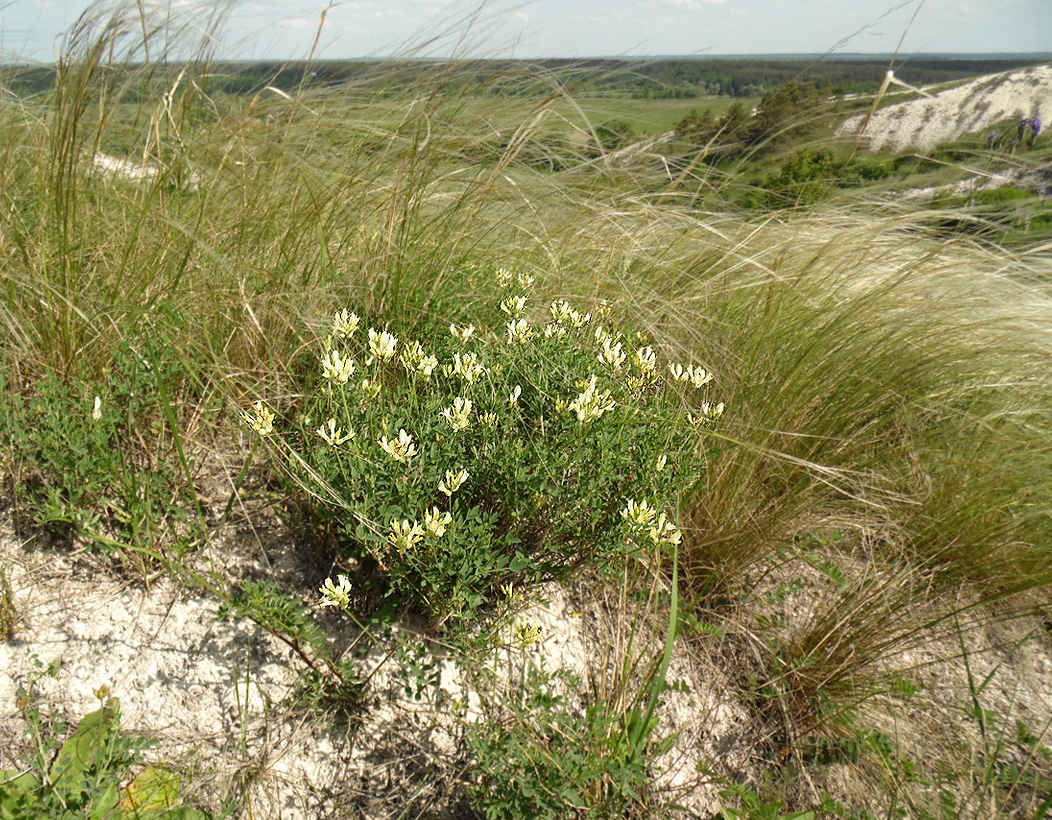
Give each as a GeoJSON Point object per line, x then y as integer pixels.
{"type": "Point", "coordinates": [980, 104]}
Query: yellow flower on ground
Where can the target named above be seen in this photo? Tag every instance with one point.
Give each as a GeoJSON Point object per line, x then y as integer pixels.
{"type": "Point", "coordinates": [639, 514]}
{"type": "Point", "coordinates": [645, 360]}
{"type": "Point", "coordinates": [612, 354]}
{"type": "Point", "coordinates": [382, 345]}
{"type": "Point", "coordinates": [462, 334]}
{"type": "Point", "coordinates": [519, 331]}
{"type": "Point", "coordinates": [514, 306]}
{"type": "Point", "coordinates": [591, 404]}
{"type": "Point", "coordinates": [96, 411]}
{"type": "Point", "coordinates": [467, 366]}
{"type": "Point", "coordinates": [664, 531]}
{"type": "Point", "coordinates": [527, 633]}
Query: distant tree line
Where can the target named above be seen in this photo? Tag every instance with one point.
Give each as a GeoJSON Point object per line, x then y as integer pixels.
{"type": "Point", "coordinates": [684, 78]}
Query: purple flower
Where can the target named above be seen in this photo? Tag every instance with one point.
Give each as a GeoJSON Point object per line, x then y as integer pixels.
{"type": "Point", "coordinates": [1035, 124]}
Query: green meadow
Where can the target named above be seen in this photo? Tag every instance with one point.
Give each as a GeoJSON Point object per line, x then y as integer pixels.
{"type": "Point", "coordinates": [796, 425]}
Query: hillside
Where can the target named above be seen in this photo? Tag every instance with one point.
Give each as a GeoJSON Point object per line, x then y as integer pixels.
{"type": "Point", "coordinates": [985, 103]}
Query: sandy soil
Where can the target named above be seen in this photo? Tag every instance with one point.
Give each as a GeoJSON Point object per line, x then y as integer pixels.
{"type": "Point", "coordinates": [217, 694]}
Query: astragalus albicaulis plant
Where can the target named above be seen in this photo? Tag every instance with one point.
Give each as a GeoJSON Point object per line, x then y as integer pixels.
{"type": "Point", "coordinates": [493, 456]}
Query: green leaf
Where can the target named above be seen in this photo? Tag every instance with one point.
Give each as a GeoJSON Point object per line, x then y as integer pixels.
{"type": "Point", "coordinates": [84, 749]}
{"type": "Point", "coordinates": [153, 788]}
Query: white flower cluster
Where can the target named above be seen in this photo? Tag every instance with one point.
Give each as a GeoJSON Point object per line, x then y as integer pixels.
{"type": "Point", "coordinates": [344, 324]}
{"type": "Point", "coordinates": [465, 365]}
{"type": "Point", "coordinates": [382, 344]}
{"type": "Point", "coordinates": [405, 535]}
{"type": "Point", "coordinates": [514, 306]}
{"type": "Point", "coordinates": [519, 331]}
{"type": "Point", "coordinates": [436, 522]}
{"type": "Point", "coordinates": [452, 482]}
{"type": "Point", "coordinates": [565, 316]}
{"type": "Point", "coordinates": [610, 353]}
{"type": "Point", "coordinates": [708, 416]}
{"type": "Point", "coordinates": [462, 334]}
{"type": "Point", "coordinates": [505, 278]}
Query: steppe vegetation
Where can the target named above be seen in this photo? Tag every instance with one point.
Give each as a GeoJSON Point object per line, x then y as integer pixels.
{"type": "Point", "coordinates": [801, 427]}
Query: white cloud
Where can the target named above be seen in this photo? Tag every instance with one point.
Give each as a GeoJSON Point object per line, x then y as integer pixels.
{"type": "Point", "coordinates": [692, 5]}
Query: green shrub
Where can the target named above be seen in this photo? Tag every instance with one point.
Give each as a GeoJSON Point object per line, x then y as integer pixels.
{"type": "Point", "coordinates": [101, 459]}
{"type": "Point", "coordinates": [483, 460]}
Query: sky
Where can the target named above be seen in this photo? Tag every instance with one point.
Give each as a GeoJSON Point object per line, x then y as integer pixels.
{"type": "Point", "coordinates": [287, 29]}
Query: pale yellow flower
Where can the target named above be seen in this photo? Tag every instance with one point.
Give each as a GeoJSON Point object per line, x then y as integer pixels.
{"type": "Point", "coordinates": [664, 531]}
{"type": "Point", "coordinates": [639, 514]}
{"type": "Point", "coordinates": [513, 398]}
{"type": "Point", "coordinates": [591, 404]}
{"type": "Point", "coordinates": [401, 450]}
{"type": "Point", "coordinates": [336, 368]}
{"type": "Point", "coordinates": [527, 633]}
{"type": "Point", "coordinates": [332, 434]}
{"type": "Point", "coordinates": [710, 413]}
{"type": "Point", "coordinates": [453, 481]}
{"type": "Point", "coordinates": [659, 465]}
{"type": "Point", "coordinates": [645, 360]}
{"type": "Point", "coordinates": [505, 279]}
{"type": "Point", "coordinates": [436, 522]}
{"type": "Point", "coordinates": [698, 376]}
{"type": "Point", "coordinates": [695, 375]}
{"type": "Point", "coordinates": [344, 324]}
{"type": "Point", "coordinates": [96, 411]}
{"type": "Point", "coordinates": [514, 306]}
{"type": "Point", "coordinates": [382, 345]}
{"type": "Point", "coordinates": [612, 354]}
{"type": "Point", "coordinates": [336, 594]}
{"type": "Point", "coordinates": [563, 315]}
{"type": "Point", "coordinates": [405, 535]}
{"type": "Point", "coordinates": [459, 415]}
{"type": "Point", "coordinates": [371, 388]}
{"type": "Point", "coordinates": [462, 334]}
{"type": "Point", "coordinates": [467, 366]}
{"type": "Point", "coordinates": [260, 418]}
{"type": "Point", "coordinates": [519, 331]}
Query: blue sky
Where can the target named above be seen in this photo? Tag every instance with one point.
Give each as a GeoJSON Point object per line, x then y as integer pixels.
{"type": "Point", "coordinates": [286, 29]}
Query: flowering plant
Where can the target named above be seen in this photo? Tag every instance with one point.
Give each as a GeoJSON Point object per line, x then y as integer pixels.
{"type": "Point", "coordinates": [480, 457]}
